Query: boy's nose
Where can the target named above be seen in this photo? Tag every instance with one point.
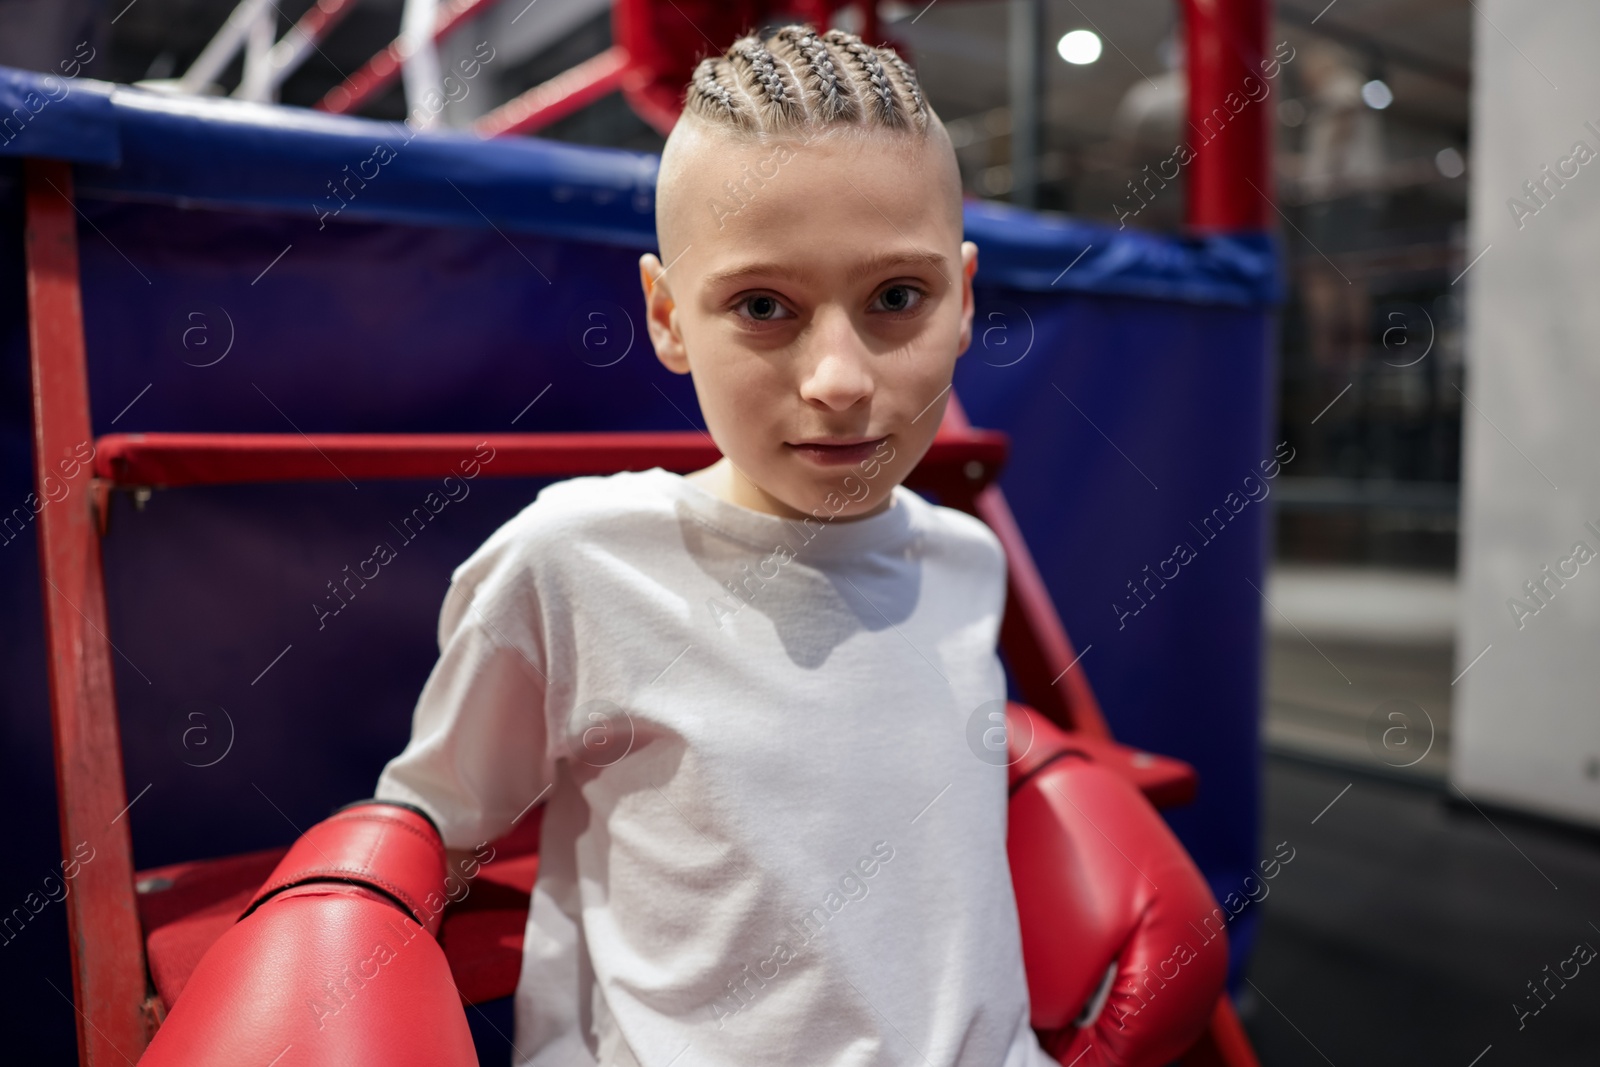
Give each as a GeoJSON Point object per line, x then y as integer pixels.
{"type": "Point", "coordinates": [837, 371]}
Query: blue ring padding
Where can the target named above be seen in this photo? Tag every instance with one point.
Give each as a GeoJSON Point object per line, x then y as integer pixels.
{"type": "Point", "coordinates": [133, 144]}
{"type": "Point", "coordinates": [53, 117]}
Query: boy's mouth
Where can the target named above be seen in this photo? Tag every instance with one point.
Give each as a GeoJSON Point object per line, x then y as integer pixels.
{"type": "Point", "coordinates": [833, 451]}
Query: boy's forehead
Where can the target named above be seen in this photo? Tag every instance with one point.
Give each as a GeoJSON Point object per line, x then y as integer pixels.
{"type": "Point", "coordinates": [846, 194]}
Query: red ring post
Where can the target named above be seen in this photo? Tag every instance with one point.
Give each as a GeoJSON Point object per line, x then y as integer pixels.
{"type": "Point", "coordinates": [1230, 180]}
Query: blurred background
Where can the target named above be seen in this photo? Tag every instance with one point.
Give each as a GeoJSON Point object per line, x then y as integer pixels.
{"type": "Point", "coordinates": [1417, 910]}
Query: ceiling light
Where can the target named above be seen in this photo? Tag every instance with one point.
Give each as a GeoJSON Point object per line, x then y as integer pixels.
{"type": "Point", "coordinates": [1080, 47]}
{"type": "Point", "coordinates": [1377, 94]}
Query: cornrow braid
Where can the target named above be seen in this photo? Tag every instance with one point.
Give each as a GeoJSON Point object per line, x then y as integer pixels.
{"type": "Point", "coordinates": [709, 94]}
{"type": "Point", "coordinates": [765, 82]}
{"type": "Point", "coordinates": [835, 97]}
{"type": "Point", "coordinates": [909, 78]}
{"type": "Point", "coordinates": [797, 78]}
{"type": "Point", "coordinates": [879, 89]}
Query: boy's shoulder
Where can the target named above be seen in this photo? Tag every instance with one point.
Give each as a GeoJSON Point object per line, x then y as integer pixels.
{"type": "Point", "coordinates": [562, 515]}
{"type": "Point", "coordinates": [577, 507]}
{"type": "Point", "coordinates": [592, 500]}
{"type": "Point", "coordinates": [958, 528]}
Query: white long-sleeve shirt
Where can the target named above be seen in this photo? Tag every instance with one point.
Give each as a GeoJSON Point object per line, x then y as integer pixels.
{"type": "Point", "coordinates": [769, 839]}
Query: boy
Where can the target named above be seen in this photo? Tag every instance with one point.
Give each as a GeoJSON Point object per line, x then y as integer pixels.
{"type": "Point", "coordinates": [743, 693]}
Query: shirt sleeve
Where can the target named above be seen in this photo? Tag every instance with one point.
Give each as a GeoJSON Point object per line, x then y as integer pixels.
{"type": "Point", "coordinates": [479, 755]}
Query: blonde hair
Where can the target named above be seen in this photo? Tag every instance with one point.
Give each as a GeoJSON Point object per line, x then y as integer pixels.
{"type": "Point", "coordinates": [798, 79]}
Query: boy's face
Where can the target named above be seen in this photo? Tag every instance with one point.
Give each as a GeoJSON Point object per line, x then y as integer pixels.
{"type": "Point", "coordinates": [823, 305]}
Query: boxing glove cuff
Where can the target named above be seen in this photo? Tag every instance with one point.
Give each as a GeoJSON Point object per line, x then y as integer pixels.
{"type": "Point", "coordinates": [391, 848]}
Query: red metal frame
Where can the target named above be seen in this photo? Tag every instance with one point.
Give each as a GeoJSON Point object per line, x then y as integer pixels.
{"type": "Point", "coordinates": [567, 92]}
{"type": "Point", "coordinates": [959, 467]}
{"type": "Point", "coordinates": [102, 920]}
{"type": "Point", "coordinates": [170, 460]}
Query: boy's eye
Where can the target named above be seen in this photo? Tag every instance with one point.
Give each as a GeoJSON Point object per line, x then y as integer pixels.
{"type": "Point", "coordinates": [763, 308]}
{"type": "Point", "coordinates": [900, 298]}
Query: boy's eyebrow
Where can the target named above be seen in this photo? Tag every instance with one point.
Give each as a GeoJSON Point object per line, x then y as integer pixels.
{"type": "Point", "coordinates": [880, 263]}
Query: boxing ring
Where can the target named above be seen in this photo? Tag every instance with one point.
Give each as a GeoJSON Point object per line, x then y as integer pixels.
{"type": "Point", "coordinates": [488, 290]}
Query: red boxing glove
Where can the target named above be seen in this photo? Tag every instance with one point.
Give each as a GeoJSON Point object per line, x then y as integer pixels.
{"type": "Point", "coordinates": [1121, 940]}
{"type": "Point", "coordinates": [335, 960]}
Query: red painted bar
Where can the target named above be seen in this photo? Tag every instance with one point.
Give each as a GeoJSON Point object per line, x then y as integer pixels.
{"type": "Point", "coordinates": [108, 973]}
{"type": "Point", "coordinates": [569, 91]}
{"type": "Point", "coordinates": [180, 459]}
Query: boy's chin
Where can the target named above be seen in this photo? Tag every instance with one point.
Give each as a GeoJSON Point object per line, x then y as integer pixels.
{"type": "Point", "coordinates": [839, 493]}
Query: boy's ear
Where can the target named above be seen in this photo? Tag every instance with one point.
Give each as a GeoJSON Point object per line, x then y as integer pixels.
{"type": "Point", "coordinates": [969, 267]}
{"type": "Point", "coordinates": [659, 319]}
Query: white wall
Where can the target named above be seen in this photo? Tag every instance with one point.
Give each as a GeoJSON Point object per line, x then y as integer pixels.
{"type": "Point", "coordinates": [1527, 718]}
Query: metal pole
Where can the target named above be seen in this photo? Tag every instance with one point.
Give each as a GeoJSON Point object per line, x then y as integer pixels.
{"type": "Point", "coordinates": [420, 73]}
{"type": "Point", "coordinates": [1027, 98]}
{"type": "Point", "coordinates": [214, 58]}
{"type": "Point", "coordinates": [255, 83]}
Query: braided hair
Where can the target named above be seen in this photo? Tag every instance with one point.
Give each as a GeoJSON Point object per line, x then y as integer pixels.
{"type": "Point", "coordinates": [797, 78]}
